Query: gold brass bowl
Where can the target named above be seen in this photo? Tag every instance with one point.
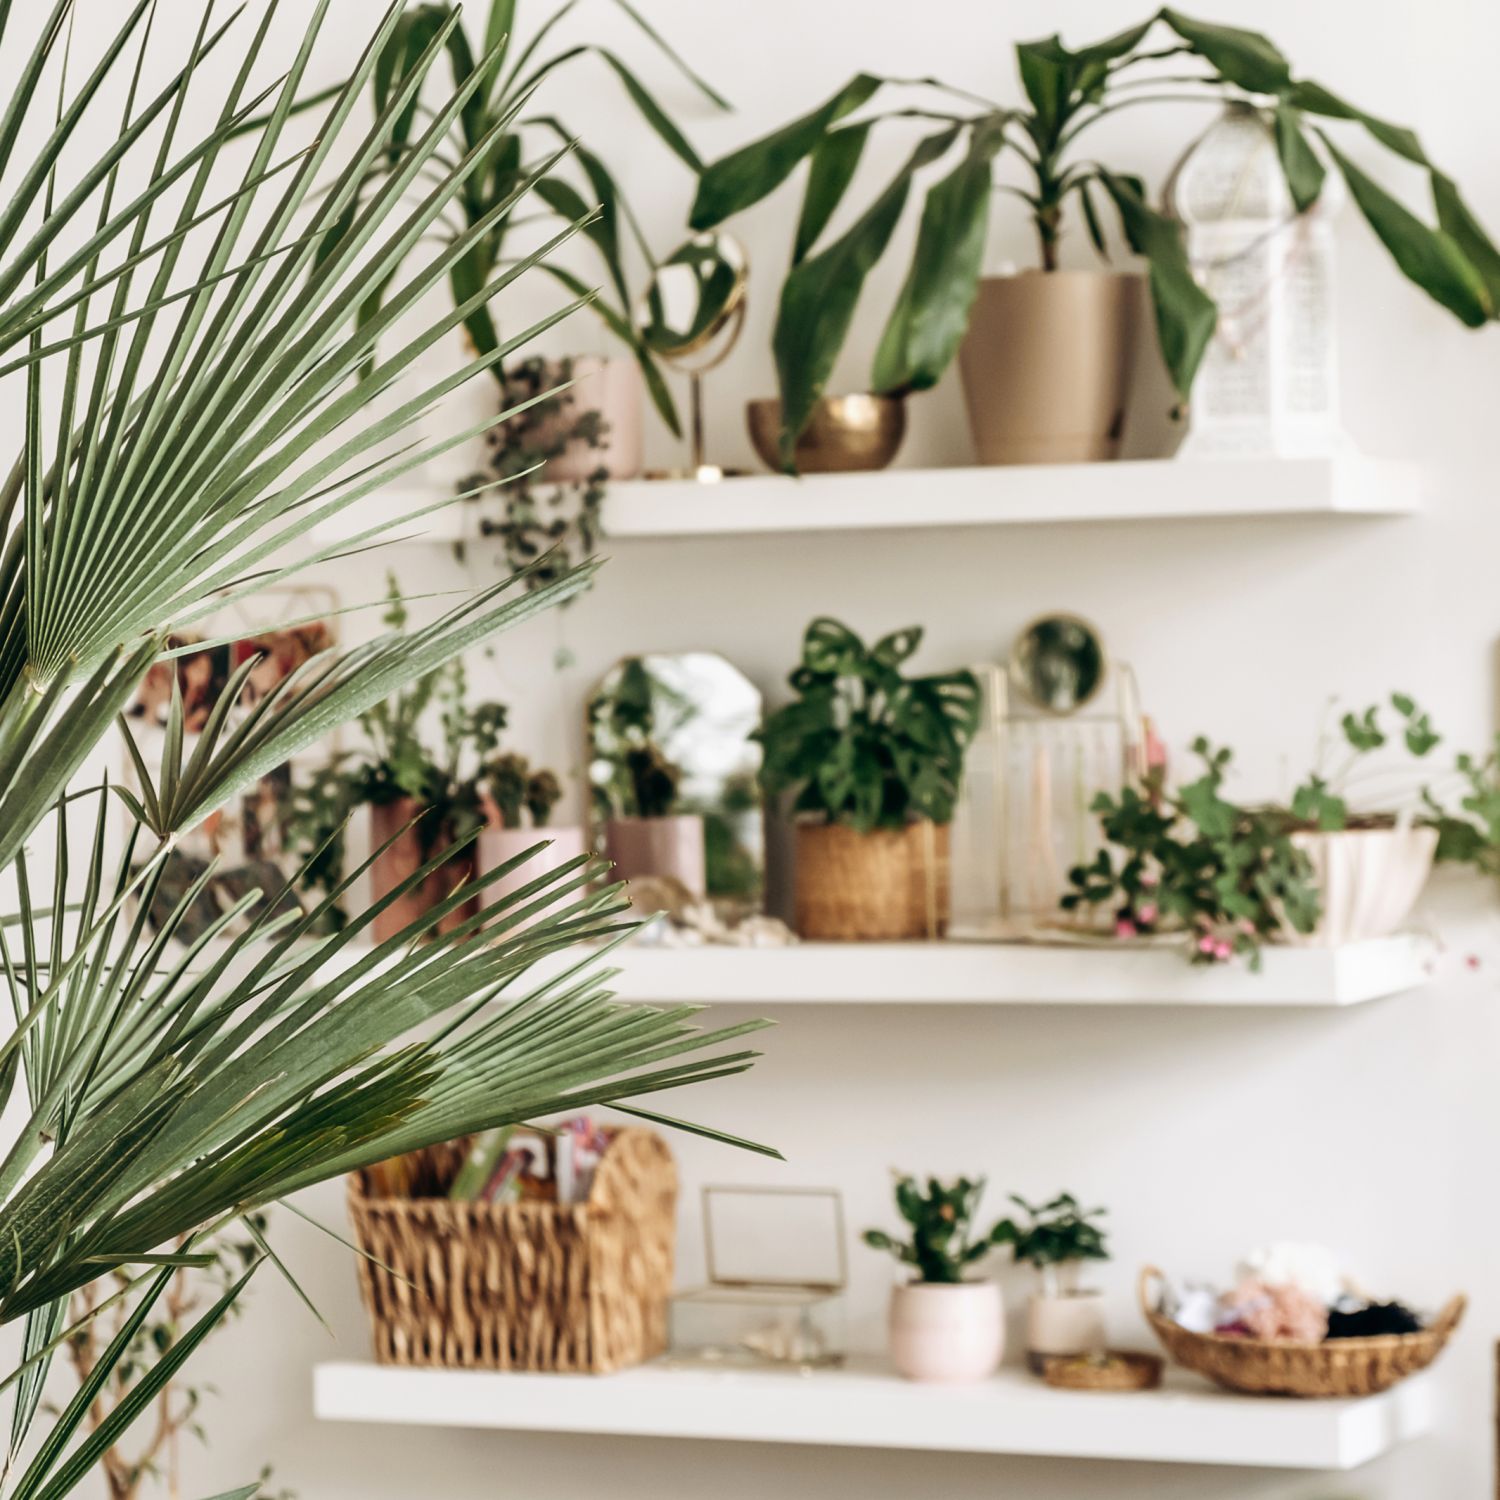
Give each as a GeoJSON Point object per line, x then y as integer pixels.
{"type": "Point", "coordinates": [846, 433]}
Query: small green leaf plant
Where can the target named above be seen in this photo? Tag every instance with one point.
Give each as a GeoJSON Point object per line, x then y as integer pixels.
{"type": "Point", "coordinates": [1191, 861]}
{"type": "Point", "coordinates": [863, 745]}
{"type": "Point", "coordinates": [513, 787]}
{"type": "Point", "coordinates": [632, 775]}
{"type": "Point", "coordinates": [398, 761]}
{"type": "Point", "coordinates": [1059, 1233]}
{"type": "Point", "coordinates": [942, 1246]}
{"type": "Point", "coordinates": [1068, 91]}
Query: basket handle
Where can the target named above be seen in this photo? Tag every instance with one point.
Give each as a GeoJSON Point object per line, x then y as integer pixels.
{"type": "Point", "coordinates": [1447, 1320]}
{"type": "Point", "coordinates": [1149, 1275]}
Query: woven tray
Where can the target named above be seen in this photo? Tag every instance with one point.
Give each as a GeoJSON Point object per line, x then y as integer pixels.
{"type": "Point", "coordinates": [1121, 1370]}
{"type": "Point", "coordinates": [1335, 1367]}
{"type": "Point", "coordinates": [521, 1286]}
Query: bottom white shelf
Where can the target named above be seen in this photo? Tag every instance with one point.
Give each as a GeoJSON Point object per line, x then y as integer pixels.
{"type": "Point", "coordinates": [865, 1406]}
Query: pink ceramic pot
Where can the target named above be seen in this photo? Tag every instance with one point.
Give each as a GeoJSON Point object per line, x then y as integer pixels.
{"type": "Point", "coordinates": [614, 389]}
{"type": "Point", "coordinates": [947, 1333]}
{"type": "Point", "coordinates": [400, 860]}
{"type": "Point", "coordinates": [670, 846]}
{"type": "Point", "coordinates": [497, 846]}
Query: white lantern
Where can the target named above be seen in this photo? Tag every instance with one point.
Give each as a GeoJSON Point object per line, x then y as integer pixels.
{"type": "Point", "coordinates": [1268, 385]}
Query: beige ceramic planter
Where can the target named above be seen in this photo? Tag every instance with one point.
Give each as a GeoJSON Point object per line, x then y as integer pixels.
{"type": "Point", "coordinates": [670, 847]}
{"type": "Point", "coordinates": [1066, 1324]}
{"type": "Point", "coordinates": [1044, 365]}
{"type": "Point", "coordinates": [612, 387]}
{"type": "Point", "coordinates": [1368, 880]}
{"type": "Point", "coordinates": [497, 846]}
{"type": "Point", "coordinates": [951, 1334]}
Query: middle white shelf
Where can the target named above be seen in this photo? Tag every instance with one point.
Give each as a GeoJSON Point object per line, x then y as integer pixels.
{"type": "Point", "coordinates": [955, 973]}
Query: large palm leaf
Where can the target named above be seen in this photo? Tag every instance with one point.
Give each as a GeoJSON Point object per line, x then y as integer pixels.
{"type": "Point", "coordinates": [194, 401]}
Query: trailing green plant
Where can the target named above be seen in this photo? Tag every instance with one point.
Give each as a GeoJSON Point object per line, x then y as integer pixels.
{"type": "Point", "coordinates": [178, 340]}
{"type": "Point", "coordinates": [509, 81]}
{"type": "Point", "coordinates": [1053, 1233]}
{"type": "Point", "coordinates": [1321, 801]}
{"type": "Point", "coordinates": [543, 525]}
{"type": "Point", "coordinates": [632, 775]}
{"type": "Point", "coordinates": [863, 745]}
{"type": "Point", "coordinates": [513, 785]}
{"type": "Point", "coordinates": [1068, 92]}
{"type": "Point", "coordinates": [942, 1245]}
{"type": "Point", "coordinates": [1191, 861]}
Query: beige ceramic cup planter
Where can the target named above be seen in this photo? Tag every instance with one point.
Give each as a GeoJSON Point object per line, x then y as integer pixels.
{"type": "Point", "coordinates": [670, 847]}
{"type": "Point", "coordinates": [612, 387]}
{"type": "Point", "coordinates": [1368, 880]}
{"type": "Point", "coordinates": [887, 885]}
{"type": "Point", "coordinates": [1064, 1320]}
{"type": "Point", "coordinates": [1044, 365]}
{"type": "Point", "coordinates": [497, 846]}
{"type": "Point", "coordinates": [947, 1332]}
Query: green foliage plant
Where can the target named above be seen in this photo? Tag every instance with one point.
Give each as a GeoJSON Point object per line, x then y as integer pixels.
{"type": "Point", "coordinates": [513, 787]}
{"type": "Point", "coordinates": [863, 745]}
{"type": "Point", "coordinates": [511, 81]}
{"type": "Point", "coordinates": [636, 778]}
{"type": "Point", "coordinates": [176, 339]}
{"type": "Point", "coordinates": [942, 1246]}
{"type": "Point", "coordinates": [1060, 1232]}
{"type": "Point", "coordinates": [1167, 58]}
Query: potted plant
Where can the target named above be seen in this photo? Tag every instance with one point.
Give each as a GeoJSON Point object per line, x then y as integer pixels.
{"type": "Point", "coordinates": [637, 789]}
{"type": "Point", "coordinates": [944, 1325]}
{"type": "Point", "coordinates": [1056, 1239]}
{"type": "Point", "coordinates": [514, 792]}
{"type": "Point", "coordinates": [875, 760]}
{"type": "Point", "coordinates": [1044, 352]}
{"type": "Point", "coordinates": [508, 131]}
{"type": "Point", "coordinates": [421, 801]}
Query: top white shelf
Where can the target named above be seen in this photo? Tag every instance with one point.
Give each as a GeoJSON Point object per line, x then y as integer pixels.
{"type": "Point", "coordinates": [902, 499]}
{"type": "Point", "coordinates": [1036, 494]}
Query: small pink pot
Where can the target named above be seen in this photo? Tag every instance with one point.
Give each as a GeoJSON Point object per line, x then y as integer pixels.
{"type": "Point", "coordinates": [613, 388]}
{"type": "Point", "coordinates": [497, 846]}
{"type": "Point", "coordinates": [947, 1333]}
{"type": "Point", "coordinates": [670, 846]}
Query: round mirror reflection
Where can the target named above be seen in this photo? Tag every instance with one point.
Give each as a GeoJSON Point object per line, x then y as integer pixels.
{"type": "Point", "coordinates": [1058, 663]}
{"type": "Point", "coordinates": [695, 304]}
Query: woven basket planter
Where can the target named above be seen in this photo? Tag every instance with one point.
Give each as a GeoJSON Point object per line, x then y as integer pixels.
{"type": "Point", "coordinates": [886, 885]}
{"type": "Point", "coordinates": [1335, 1367]}
{"type": "Point", "coordinates": [579, 1288]}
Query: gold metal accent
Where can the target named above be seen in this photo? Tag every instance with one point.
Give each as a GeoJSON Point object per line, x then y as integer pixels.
{"type": "Point", "coordinates": [846, 433]}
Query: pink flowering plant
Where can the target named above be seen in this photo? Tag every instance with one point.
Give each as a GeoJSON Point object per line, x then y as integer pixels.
{"type": "Point", "coordinates": [1190, 861]}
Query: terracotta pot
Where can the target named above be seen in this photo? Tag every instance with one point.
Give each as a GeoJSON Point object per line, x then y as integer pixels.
{"type": "Point", "coordinates": [613, 388]}
{"type": "Point", "coordinates": [404, 858]}
{"type": "Point", "coordinates": [947, 1333]}
{"type": "Point", "coordinates": [1368, 878]}
{"type": "Point", "coordinates": [1068, 1323]}
{"type": "Point", "coordinates": [846, 433]}
{"type": "Point", "coordinates": [884, 886]}
{"type": "Point", "coordinates": [496, 846]}
{"type": "Point", "coordinates": [1044, 365]}
{"type": "Point", "coordinates": [672, 846]}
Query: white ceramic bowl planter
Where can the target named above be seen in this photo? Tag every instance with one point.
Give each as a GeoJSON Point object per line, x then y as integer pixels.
{"type": "Point", "coordinates": [1369, 880]}
{"type": "Point", "coordinates": [950, 1332]}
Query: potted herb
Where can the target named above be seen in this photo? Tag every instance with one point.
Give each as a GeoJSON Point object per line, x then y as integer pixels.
{"type": "Point", "coordinates": [944, 1324]}
{"type": "Point", "coordinates": [518, 804]}
{"type": "Point", "coordinates": [511, 123]}
{"type": "Point", "coordinates": [421, 800]}
{"type": "Point", "coordinates": [875, 762]}
{"type": "Point", "coordinates": [637, 789]}
{"type": "Point", "coordinates": [1044, 352]}
{"type": "Point", "coordinates": [1056, 1239]}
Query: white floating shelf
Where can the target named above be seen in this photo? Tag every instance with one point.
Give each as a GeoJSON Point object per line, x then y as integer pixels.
{"type": "Point", "coordinates": [1016, 495]}
{"type": "Point", "coordinates": [1032, 494]}
{"type": "Point", "coordinates": [954, 973]}
{"type": "Point", "coordinates": [1187, 1421]}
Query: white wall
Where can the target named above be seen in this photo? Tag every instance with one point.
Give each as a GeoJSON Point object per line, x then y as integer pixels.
{"type": "Point", "coordinates": [1373, 1131]}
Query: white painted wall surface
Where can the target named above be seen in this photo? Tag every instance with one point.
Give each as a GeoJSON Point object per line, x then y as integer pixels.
{"type": "Point", "coordinates": [1374, 1131]}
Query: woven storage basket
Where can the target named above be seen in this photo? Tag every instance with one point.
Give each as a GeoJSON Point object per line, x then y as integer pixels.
{"type": "Point", "coordinates": [580, 1288]}
{"type": "Point", "coordinates": [885, 885]}
{"type": "Point", "coordinates": [1336, 1367]}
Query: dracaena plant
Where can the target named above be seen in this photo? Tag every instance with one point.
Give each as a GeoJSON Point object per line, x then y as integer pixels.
{"type": "Point", "coordinates": [514, 109]}
{"type": "Point", "coordinates": [192, 405]}
{"type": "Point", "coordinates": [864, 745]}
{"type": "Point", "coordinates": [1167, 58]}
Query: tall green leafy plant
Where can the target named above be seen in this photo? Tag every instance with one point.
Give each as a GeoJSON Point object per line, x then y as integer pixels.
{"type": "Point", "coordinates": [513, 80]}
{"type": "Point", "coordinates": [193, 404]}
{"type": "Point", "coordinates": [1068, 92]}
{"type": "Point", "coordinates": [940, 1216]}
{"type": "Point", "coordinates": [862, 744]}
